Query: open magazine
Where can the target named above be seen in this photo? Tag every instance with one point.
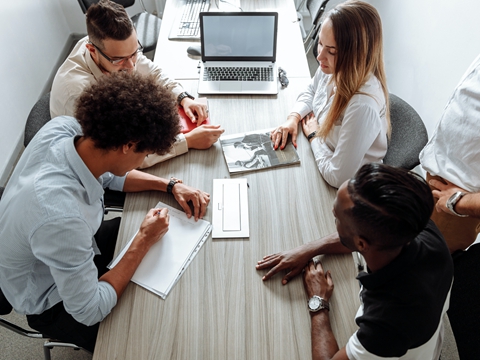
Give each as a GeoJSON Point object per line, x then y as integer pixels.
{"type": "Point", "coordinates": [254, 150]}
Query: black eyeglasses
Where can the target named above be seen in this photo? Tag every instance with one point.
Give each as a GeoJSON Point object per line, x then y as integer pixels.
{"type": "Point", "coordinates": [121, 60]}
{"type": "Point", "coordinates": [282, 76]}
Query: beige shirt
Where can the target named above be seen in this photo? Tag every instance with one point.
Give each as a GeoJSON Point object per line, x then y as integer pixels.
{"type": "Point", "coordinates": [79, 70]}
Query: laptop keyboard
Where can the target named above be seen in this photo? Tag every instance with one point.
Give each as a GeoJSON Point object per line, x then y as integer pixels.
{"type": "Point", "coordinates": [238, 74]}
{"type": "Point", "coordinates": [190, 20]}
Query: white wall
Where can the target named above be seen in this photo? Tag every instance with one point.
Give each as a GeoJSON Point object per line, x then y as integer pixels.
{"type": "Point", "coordinates": [428, 46]}
{"type": "Point", "coordinates": [32, 34]}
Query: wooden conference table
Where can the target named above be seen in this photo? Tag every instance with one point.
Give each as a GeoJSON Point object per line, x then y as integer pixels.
{"type": "Point", "coordinates": [220, 308]}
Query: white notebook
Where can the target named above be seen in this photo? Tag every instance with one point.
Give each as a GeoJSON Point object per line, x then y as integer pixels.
{"type": "Point", "coordinates": [167, 259]}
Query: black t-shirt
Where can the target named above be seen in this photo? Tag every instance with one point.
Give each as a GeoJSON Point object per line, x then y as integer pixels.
{"type": "Point", "coordinates": [403, 302]}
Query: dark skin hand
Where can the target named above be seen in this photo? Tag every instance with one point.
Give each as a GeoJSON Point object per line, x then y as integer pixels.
{"type": "Point", "coordinates": [317, 281]}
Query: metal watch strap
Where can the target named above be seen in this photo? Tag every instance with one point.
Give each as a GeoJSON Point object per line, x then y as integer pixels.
{"type": "Point", "coordinates": [184, 95]}
{"type": "Point", "coordinates": [452, 201]}
{"type": "Point", "coordinates": [323, 304]}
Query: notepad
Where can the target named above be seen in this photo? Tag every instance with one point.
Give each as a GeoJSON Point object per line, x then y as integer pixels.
{"type": "Point", "coordinates": [230, 208]}
{"type": "Point", "coordinates": [167, 259]}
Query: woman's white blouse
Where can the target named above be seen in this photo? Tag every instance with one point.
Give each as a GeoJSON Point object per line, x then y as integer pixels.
{"type": "Point", "coordinates": [359, 135]}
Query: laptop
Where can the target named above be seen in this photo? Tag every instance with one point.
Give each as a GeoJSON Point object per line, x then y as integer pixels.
{"type": "Point", "coordinates": [238, 53]}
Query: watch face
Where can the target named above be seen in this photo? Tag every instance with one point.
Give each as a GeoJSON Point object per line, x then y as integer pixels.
{"type": "Point", "coordinates": [314, 303]}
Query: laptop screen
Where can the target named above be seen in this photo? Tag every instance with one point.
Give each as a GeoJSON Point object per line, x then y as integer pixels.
{"type": "Point", "coordinates": [239, 36]}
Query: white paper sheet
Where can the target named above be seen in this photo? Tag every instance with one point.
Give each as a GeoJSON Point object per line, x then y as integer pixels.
{"type": "Point", "coordinates": [166, 260]}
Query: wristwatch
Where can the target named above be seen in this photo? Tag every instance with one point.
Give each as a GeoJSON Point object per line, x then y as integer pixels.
{"type": "Point", "coordinates": [172, 183]}
{"type": "Point", "coordinates": [316, 303]}
{"type": "Point", "coordinates": [452, 201]}
{"type": "Point", "coordinates": [183, 95]}
{"type": "Point", "coordinates": [311, 135]}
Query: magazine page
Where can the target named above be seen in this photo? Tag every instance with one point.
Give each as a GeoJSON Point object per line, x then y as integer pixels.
{"type": "Point", "coordinates": [254, 150]}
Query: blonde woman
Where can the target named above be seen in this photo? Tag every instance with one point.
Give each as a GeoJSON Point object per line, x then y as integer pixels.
{"type": "Point", "coordinates": [344, 110]}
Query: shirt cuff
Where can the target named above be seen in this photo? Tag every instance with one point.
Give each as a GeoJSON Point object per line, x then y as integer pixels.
{"type": "Point", "coordinates": [301, 109]}
{"type": "Point", "coordinates": [179, 147]}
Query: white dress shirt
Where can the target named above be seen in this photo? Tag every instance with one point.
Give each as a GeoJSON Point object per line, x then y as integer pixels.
{"type": "Point", "coordinates": [360, 133]}
{"type": "Point", "coordinates": [79, 71]}
{"type": "Point", "coordinates": [453, 151]}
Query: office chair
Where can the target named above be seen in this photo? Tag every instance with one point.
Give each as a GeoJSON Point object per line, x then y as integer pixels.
{"type": "Point", "coordinates": [146, 24]}
{"type": "Point", "coordinates": [6, 308]}
{"type": "Point", "coordinates": [409, 135]}
{"type": "Point", "coordinates": [39, 116]}
{"type": "Point", "coordinates": [316, 8]}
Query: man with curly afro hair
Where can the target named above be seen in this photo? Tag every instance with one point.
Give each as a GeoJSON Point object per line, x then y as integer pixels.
{"type": "Point", "coordinates": [55, 244]}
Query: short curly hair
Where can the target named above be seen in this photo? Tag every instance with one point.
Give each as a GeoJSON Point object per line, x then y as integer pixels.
{"type": "Point", "coordinates": [391, 205]}
{"type": "Point", "coordinates": [123, 108]}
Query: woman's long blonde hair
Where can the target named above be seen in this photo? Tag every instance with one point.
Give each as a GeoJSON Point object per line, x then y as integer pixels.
{"type": "Point", "coordinates": [357, 29]}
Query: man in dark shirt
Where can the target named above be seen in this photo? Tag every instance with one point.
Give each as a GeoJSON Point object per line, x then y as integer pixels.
{"type": "Point", "coordinates": [383, 213]}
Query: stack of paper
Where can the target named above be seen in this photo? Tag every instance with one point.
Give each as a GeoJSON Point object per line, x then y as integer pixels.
{"type": "Point", "coordinates": [166, 260]}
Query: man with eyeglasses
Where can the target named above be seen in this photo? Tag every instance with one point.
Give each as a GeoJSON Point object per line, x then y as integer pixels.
{"type": "Point", "coordinates": [112, 46]}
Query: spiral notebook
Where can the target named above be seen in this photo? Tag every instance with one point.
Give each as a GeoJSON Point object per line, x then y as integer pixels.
{"type": "Point", "coordinates": [167, 259]}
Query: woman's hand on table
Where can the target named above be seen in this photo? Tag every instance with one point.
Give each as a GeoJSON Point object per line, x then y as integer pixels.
{"type": "Point", "coordinates": [309, 124]}
{"type": "Point", "coordinates": [279, 136]}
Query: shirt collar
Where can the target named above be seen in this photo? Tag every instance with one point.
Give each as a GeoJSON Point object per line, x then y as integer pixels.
{"type": "Point", "coordinates": [97, 73]}
{"type": "Point", "coordinates": [93, 187]}
{"type": "Point", "coordinates": [396, 267]}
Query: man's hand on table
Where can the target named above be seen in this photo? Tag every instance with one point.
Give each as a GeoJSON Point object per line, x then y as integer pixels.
{"type": "Point", "coordinates": [294, 261]}
{"type": "Point", "coordinates": [199, 199]}
{"type": "Point", "coordinates": [317, 282]}
{"type": "Point", "coordinates": [203, 137]}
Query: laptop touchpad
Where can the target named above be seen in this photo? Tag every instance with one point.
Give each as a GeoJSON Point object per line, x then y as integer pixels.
{"type": "Point", "coordinates": [230, 86]}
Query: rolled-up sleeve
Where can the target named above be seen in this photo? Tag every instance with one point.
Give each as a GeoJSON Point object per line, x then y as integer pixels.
{"type": "Point", "coordinates": [113, 182]}
{"type": "Point", "coordinates": [179, 147]}
{"type": "Point", "coordinates": [316, 91]}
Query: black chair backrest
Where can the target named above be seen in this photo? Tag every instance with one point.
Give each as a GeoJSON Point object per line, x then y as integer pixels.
{"type": "Point", "coordinates": [409, 135]}
{"type": "Point", "coordinates": [85, 4]}
{"type": "Point", "coordinates": [39, 116]}
{"type": "Point", "coordinates": [5, 307]}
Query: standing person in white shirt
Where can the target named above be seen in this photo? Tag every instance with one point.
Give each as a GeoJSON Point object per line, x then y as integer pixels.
{"type": "Point", "coordinates": [344, 111]}
{"type": "Point", "coordinates": [451, 159]}
{"type": "Point", "coordinates": [112, 46]}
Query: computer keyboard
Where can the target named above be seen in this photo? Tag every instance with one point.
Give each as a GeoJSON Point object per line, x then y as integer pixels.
{"type": "Point", "coordinates": [238, 74]}
{"type": "Point", "coordinates": [189, 25]}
